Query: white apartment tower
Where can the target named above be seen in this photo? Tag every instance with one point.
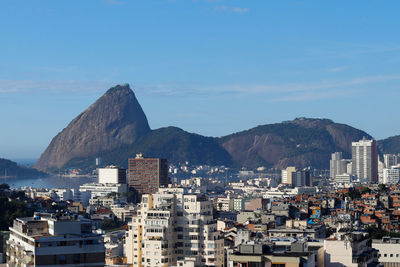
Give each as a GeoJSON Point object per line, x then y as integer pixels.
{"type": "Point", "coordinates": [365, 160]}
{"type": "Point", "coordinates": [112, 175]}
{"type": "Point", "coordinates": [173, 228]}
{"type": "Point", "coordinates": [390, 160]}
{"type": "Point", "coordinates": [337, 164]}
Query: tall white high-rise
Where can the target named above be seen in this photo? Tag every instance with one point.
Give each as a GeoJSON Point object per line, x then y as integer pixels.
{"type": "Point", "coordinates": [390, 160]}
{"type": "Point", "coordinates": [365, 160]}
{"type": "Point", "coordinates": [338, 165]}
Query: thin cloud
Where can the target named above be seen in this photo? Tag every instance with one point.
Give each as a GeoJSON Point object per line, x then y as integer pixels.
{"type": "Point", "coordinates": [279, 92]}
{"type": "Point", "coordinates": [337, 69]}
{"type": "Point", "coordinates": [312, 96]}
{"type": "Point", "coordinates": [240, 9]}
{"type": "Point", "coordinates": [232, 9]}
{"type": "Point", "coordinates": [265, 88]}
{"type": "Point", "coordinates": [114, 2]}
{"type": "Point", "coordinates": [29, 86]}
{"type": "Point", "coordinates": [62, 69]}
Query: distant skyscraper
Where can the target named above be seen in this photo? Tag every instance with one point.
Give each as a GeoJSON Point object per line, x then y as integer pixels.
{"type": "Point", "coordinates": [287, 175]}
{"type": "Point", "coordinates": [365, 160]}
{"type": "Point", "coordinates": [338, 165]}
{"type": "Point", "coordinates": [301, 178]}
{"type": "Point", "coordinates": [390, 160]}
{"type": "Point", "coordinates": [146, 175]}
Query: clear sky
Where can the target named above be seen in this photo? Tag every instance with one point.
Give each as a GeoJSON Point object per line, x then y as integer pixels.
{"type": "Point", "coordinates": [208, 66]}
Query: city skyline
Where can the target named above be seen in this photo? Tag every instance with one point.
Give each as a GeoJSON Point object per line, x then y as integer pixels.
{"type": "Point", "coordinates": [209, 67]}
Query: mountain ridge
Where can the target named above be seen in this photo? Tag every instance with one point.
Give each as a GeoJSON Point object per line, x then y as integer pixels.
{"type": "Point", "coordinates": [300, 142]}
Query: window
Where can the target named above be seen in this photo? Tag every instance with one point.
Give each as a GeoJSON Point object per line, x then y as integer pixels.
{"type": "Point", "coordinates": [77, 258]}
{"type": "Point", "coordinates": [63, 259]}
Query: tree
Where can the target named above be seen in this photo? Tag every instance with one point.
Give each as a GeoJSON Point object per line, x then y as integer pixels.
{"type": "Point", "coordinates": [4, 186]}
{"type": "Point", "coordinates": [108, 224]}
{"type": "Point", "coordinates": [365, 190]}
{"type": "Point", "coordinates": [353, 194]}
{"type": "Point", "coordinates": [381, 188]}
{"type": "Point", "coordinates": [11, 210]}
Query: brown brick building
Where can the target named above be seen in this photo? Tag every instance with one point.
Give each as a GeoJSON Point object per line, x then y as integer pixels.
{"type": "Point", "coordinates": [146, 175]}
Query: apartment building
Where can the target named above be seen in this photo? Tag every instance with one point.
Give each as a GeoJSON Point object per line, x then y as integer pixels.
{"type": "Point", "coordinates": [265, 255]}
{"type": "Point", "coordinates": [146, 175]}
{"type": "Point", "coordinates": [337, 165]}
{"type": "Point", "coordinates": [112, 175]}
{"type": "Point", "coordinates": [54, 240]}
{"type": "Point", "coordinates": [287, 175]}
{"type": "Point", "coordinates": [365, 160]}
{"type": "Point", "coordinates": [102, 190]}
{"type": "Point", "coordinates": [173, 228]}
{"type": "Point", "coordinates": [391, 176]}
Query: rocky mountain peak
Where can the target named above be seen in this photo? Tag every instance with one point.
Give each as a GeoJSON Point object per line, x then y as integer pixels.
{"type": "Point", "coordinates": [114, 120]}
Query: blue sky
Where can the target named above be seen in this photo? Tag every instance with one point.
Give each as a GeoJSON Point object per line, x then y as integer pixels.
{"type": "Point", "coordinates": [208, 66]}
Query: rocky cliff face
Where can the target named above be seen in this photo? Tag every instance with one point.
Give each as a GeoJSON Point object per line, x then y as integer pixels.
{"type": "Point", "coordinates": [302, 142]}
{"type": "Point", "coordinates": [114, 120]}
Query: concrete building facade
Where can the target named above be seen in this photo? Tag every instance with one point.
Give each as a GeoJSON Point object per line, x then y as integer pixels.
{"type": "Point", "coordinates": [365, 160]}
{"type": "Point", "coordinates": [146, 175]}
{"type": "Point", "coordinates": [173, 228]}
{"type": "Point", "coordinates": [112, 175]}
{"type": "Point", "coordinates": [54, 240]}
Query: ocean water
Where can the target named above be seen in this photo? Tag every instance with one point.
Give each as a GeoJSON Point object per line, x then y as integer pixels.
{"type": "Point", "coordinates": [49, 181]}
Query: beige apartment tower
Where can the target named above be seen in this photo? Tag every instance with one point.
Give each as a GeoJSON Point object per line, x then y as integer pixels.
{"type": "Point", "coordinates": [173, 228]}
